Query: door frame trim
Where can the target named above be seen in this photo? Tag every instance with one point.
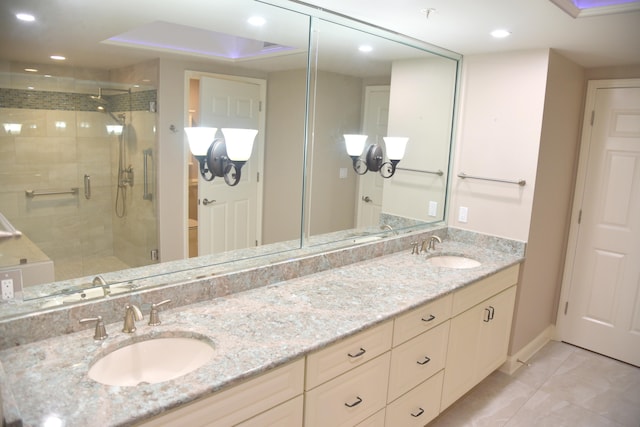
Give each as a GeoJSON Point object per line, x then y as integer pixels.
{"type": "Point", "coordinates": [578, 193]}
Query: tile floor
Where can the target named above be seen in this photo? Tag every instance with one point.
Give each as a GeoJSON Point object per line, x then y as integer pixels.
{"type": "Point", "coordinates": [564, 386]}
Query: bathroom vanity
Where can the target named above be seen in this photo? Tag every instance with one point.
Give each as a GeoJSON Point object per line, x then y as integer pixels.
{"type": "Point", "coordinates": [377, 341]}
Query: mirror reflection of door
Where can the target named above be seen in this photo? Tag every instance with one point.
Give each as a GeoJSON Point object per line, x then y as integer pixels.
{"type": "Point", "coordinates": [230, 217]}
{"type": "Point", "coordinates": [374, 124]}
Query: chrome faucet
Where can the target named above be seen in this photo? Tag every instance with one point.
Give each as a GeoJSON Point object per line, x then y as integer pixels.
{"type": "Point", "coordinates": [131, 314]}
{"type": "Point", "coordinates": [432, 243]}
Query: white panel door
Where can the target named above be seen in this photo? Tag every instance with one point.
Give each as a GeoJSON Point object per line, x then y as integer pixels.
{"type": "Point", "coordinates": [603, 296]}
{"type": "Point", "coordinates": [375, 122]}
{"type": "Point", "coordinates": [231, 217]}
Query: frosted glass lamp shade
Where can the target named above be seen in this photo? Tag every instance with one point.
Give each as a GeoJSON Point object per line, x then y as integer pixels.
{"type": "Point", "coordinates": [355, 144]}
{"type": "Point", "coordinates": [114, 129]}
{"type": "Point", "coordinates": [200, 139]}
{"type": "Point", "coordinates": [239, 143]}
{"type": "Point", "coordinates": [395, 146]}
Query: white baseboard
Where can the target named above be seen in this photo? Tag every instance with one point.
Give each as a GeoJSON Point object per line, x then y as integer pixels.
{"type": "Point", "coordinates": [515, 361]}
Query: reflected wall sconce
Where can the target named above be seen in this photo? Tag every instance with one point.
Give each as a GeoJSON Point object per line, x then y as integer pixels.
{"type": "Point", "coordinates": [12, 128]}
{"type": "Point", "coordinates": [374, 157]}
{"type": "Point", "coordinates": [222, 157]}
{"type": "Point", "coordinates": [114, 129]}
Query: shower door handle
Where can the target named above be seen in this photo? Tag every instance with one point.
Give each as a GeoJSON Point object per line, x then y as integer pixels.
{"type": "Point", "coordinates": [145, 186]}
{"type": "Point", "coordinates": [87, 187]}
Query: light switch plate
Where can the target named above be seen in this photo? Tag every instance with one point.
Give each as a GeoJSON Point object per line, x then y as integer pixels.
{"type": "Point", "coordinates": [463, 214]}
{"type": "Point", "coordinates": [433, 208]}
{"type": "Point", "coordinates": [343, 173]}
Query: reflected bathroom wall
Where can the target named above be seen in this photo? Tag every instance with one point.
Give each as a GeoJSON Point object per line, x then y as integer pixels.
{"type": "Point", "coordinates": [63, 144]}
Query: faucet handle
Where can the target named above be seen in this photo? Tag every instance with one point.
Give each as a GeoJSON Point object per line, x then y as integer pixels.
{"type": "Point", "coordinates": [154, 318]}
{"type": "Point", "coordinates": [100, 332]}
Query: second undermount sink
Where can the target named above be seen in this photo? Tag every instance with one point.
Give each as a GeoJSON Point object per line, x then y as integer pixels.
{"type": "Point", "coordinates": [453, 261]}
{"type": "Point", "coordinates": [151, 361]}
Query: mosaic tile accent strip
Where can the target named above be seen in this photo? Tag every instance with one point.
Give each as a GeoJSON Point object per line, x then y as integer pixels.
{"type": "Point", "coordinates": [66, 101]}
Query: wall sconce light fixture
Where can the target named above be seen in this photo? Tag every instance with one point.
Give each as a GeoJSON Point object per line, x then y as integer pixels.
{"type": "Point", "coordinates": [222, 157]}
{"type": "Point", "coordinates": [374, 158]}
{"type": "Point", "coordinates": [13, 128]}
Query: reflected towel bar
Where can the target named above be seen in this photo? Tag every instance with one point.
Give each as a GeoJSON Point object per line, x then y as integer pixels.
{"type": "Point", "coordinates": [520, 182]}
{"type": "Point", "coordinates": [438, 172]}
{"type": "Point", "coordinates": [34, 193]}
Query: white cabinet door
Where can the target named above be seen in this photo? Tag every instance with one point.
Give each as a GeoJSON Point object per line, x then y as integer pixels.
{"type": "Point", "coordinates": [478, 342]}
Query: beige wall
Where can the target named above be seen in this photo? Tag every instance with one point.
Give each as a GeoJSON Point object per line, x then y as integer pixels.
{"type": "Point", "coordinates": [541, 277]}
{"type": "Point", "coordinates": [284, 156]}
{"type": "Point", "coordinates": [420, 106]}
{"type": "Point", "coordinates": [520, 119]}
{"type": "Point", "coordinates": [498, 136]}
{"type": "Point", "coordinates": [337, 110]}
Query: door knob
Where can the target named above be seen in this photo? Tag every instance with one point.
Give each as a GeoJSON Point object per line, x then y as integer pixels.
{"type": "Point", "coordinates": [367, 199]}
{"type": "Point", "coordinates": [207, 202]}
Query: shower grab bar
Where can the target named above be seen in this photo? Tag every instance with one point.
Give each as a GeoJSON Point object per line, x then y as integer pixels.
{"type": "Point", "coordinates": [33, 193]}
{"type": "Point", "coordinates": [438, 172]}
{"type": "Point", "coordinates": [9, 230]}
{"type": "Point", "coordinates": [87, 187]}
{"type": "Point", "coordinates": [520, 182]}
{"type": "Point", "coordinates": [145, 185]}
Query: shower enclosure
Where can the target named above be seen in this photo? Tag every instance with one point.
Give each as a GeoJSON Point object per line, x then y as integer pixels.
{"type": "Point", "coordinates": [77, 175]}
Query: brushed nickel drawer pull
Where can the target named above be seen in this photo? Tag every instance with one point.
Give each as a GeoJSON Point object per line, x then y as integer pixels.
{"type": "Point", "coordinates": [356, 403]}
{"type": "Point", "coordinates": [429, 319]}
{"type": "Point", "coordinates": [358, 354]}
{"type": "Point", "coordinates": [426, 360]}
{"type": "Point", "coordinates": [417, 414]}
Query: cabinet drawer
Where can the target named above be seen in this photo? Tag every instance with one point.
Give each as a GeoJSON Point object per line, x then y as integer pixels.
{"type": "Point", "coordinates": [417, 407]}
{"type": "Point", "coordinates": [474, 294]}
{"type": "Point", "coordinates": [288, 414]}
{"type": "Point", "coordinates": [350, 398]}
{"type": "Point", "coordinates": [375, 420]}
{"type": "Point", "coordinates": [417, 359]}
{"type": "Point", "coordinates": [348, 354]}
{"type": "Point", "coordinates": [239, 403]}
{"type": "Point", "coordinates": [421, 319]}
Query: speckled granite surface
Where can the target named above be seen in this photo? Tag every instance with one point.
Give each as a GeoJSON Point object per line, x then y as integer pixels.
{"type": "Point", "coordinates": [252, 331]}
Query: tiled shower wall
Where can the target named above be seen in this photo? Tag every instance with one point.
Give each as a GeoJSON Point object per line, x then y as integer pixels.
{"type": "Point", "coordinates": [63, 138]}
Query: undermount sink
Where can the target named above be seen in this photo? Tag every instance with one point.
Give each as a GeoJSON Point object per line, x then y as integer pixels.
{"type": "Point", "coordinates": [151, 361]}
{"type": "Point", "coordinates": [453, 261]}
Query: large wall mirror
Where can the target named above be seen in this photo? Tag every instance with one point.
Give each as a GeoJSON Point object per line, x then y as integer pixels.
{"type": "Point", "coordinates": [103, 130]}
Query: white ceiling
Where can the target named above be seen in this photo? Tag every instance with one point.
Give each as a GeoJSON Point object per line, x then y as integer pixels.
{"type": "Point", "coordinates": [462, 26]}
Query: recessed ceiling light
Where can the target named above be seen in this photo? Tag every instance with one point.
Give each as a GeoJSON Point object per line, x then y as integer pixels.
{"type": "Point", "coordinates": [365, 48]}
{"type": "Point", "coordinates": [26, 17]}
{"type": "Point", "coordinates": [31, 70]}
{"type": "Point", "coordinates": [500, 34]}
{"type": "Point", "coordinates": [257, 21]}
{"type": "Point", "coordinates": [57, 57]}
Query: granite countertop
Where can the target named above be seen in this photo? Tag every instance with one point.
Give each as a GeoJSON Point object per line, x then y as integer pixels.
{"type": "Point", "coordinates": [252, 331]}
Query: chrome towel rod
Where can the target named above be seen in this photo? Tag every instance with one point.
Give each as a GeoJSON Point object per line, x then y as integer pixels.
{"type": "Point", "coordinates": [520, 182]}
{"type": "Point", "coordinates": [34, 193]}
{"type": "Point", "coordinates": [438, 172]}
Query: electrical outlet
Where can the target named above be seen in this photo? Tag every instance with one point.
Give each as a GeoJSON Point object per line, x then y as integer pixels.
{"type": "Point", "coordinates": [433, 208]}
{"type": "Point", "coordinates": [7, 289]}
{"type": "Point", "coordinates": [10, 285]}
{"type": "Point", "coordinates": [463, 213]}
